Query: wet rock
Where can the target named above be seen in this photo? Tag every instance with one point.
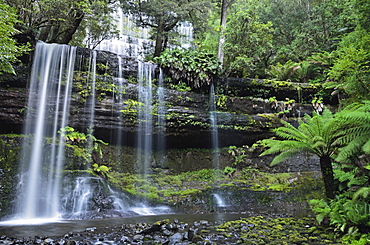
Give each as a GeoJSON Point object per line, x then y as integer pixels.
{"type": "Point", "coordinates": [166, 232]}
{"type": "Point", "coordinates": [138, 238]}
{"type": "Point", "coordinates": [152, 229]}
{"type": "Point", "coordinates": [175, 238]}
{"type": "Point", "coordinates": [197, 238]}
{"type": "Point", "coordinates": [124, 239]}
{"type": "Point", "coordinates": [189, 235]}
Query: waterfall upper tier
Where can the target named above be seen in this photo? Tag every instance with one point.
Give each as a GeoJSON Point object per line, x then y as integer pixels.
{"type": "Point", "coordinates": [240, 120]}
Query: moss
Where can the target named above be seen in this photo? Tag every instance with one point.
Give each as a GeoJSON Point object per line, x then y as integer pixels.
{"type": "Point", "coordinates": [277, 84]}
{"type": "Point", "coordinates": [260, 230]}
{"type": "Point", "coordinates": [230, 184]}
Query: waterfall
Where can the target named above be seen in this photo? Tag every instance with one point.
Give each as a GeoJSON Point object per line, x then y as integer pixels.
{"type": "Point", "coordinates": [215, 142]}
{"type": "Point", "coordinates": [219, 201]}
{"type": "Point", "coordinates": [47, 112]}
{"type": "Point", "coordinates": [185, 29]}
{"type": "Point", "coordinates": [214, 129]}
{"type": "Point", "coordinates": [90, 102]}
{"type": "Point", "coordinates": [118, 97]}
{"type": "Point", "coordinates": [132, 41]}
{"type": "Point", "coordinates": [42, 193]}
{"type": "Point", "coordinates": [161, 120]}
{"type": "Point", "coordinates": [145, 116]}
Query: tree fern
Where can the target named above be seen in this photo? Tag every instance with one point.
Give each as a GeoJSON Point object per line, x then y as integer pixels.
{"type": "Point", "coordinates": [316, 134]}
{"type": "Point", "coordinates": [357, 136]}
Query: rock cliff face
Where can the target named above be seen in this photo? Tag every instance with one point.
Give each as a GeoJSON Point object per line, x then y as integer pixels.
{"type": "Point", "coordinates": [241, 120]}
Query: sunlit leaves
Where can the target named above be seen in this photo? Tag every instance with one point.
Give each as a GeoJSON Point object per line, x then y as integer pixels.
{"type": "Point", "coordinates": [8, 46]}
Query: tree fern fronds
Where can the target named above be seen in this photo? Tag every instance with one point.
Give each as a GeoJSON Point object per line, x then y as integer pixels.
{"type": "Point", "coordinates": [316, 134]}
{"type": "Point", "coordinates": [291, 134]}
{"type": "Point", "coordinates": [307, 130]}
{"type": "Point", "coordinates": [353, 133]}
{"type": "Point", "coordinates": [366, 147]}
{"type": "Point", "coordinates": [307, 117]}
{"type": "Point", "coordinates": [284, 156]}
{"type": "Point", "coordinates": [274, 147]}
{"type": "Point", "coordinates": [319, 143]}
{"type": "Point", "coordinates": [316, 125]}
{"type": "Point", "coordinates": [277, 146]}
{"type": "Point", "coordinates": [363, 106]}
{"type": "Point", "coordinates": [353, 148]}
{"type": "Point", "coordinates": [327, 114]}
{"type": "Point", "coordinates": [289, 131]}
{"type": "Point", "coordinates": [357, 117]}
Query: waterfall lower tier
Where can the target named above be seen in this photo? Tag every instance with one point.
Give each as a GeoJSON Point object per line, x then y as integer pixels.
{"type": "Point", "coordinates": [47, 112]}
{"type": "Point", "coordinates": [41, 192]}
{"type": "Point", "coordinates": [93, 198]}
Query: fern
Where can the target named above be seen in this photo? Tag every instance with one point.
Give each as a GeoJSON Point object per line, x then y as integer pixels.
{"type": "Point", "coordinates": [358, 212]}
{"type": "Point", "coordinates": [357, 136]}
{"type": "Point", "coordinates": [283, 72]}
{"type": "Point", "coordinates": [324, 58]}
{"type": "Point", "coordinates": [316, 134]}
{"type": "Point", "coordinates": [321, 208]}
{"type": "Point", "coordinates": [363, 192]}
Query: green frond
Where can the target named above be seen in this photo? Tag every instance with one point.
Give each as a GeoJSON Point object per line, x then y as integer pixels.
{"type": "Point", "coordinates": [354, 133]}
{"type": "Point", "coordinates": [288, 131]}
{"type": "Point", "coordinates": [327, 114]}
{"type": "Point", "coordinates": [317, 124]}
{"type": "Point", "coordinates": [316, 134]}
{"type": "Point", "coordinates": [285, 155]}
{"type": "Point", "coordinates": [289, 134]}
{"type": "Point", "coordinates": [307, 117]}
{"type": "Point", "coordinates": [357, 117]}
{"type": "Point", "coordinates": [366, 147]}
{"type": "Point", "coordinates": [358, 106]}
{"type": "Point", "coordinates": [277, 146]}
{"type": "Point", "coordinates": [319, 144]}
{"type": "Point", "coordinates": [307, 130]}
{"type": "Point", "coordinates": [352, 148]}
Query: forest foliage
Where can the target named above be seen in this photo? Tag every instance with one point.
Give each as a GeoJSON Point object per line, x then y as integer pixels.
{"type": "Point", "coordinates": [323, 42]}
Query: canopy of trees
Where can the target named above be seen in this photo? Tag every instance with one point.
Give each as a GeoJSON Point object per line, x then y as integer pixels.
{"type": "Point", "coordinates": [164, 16]}
{"type": "Point", "coordinates": [58, 21]}
{"type": "Point", "coordinates": [321, 41]}
{"type": "Point", "coordinates": [9, 50]}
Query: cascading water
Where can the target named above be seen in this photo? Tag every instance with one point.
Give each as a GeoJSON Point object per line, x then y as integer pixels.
{"type": "Point", "coordinates": [42, 193]}
{"type": "Point", "coordinates": [215, 142]}
{"type": "Point", "coordinates": [214, 129]}
{"type": "Point", "coordinates": [47, 112]}
{"type": "Point", "coordinates": [161, 120]}
{"type": "Point", "coordinates": [90, 103]}
{"type": "Point", "coordinates": [118, 97]}
{"type": "Point", "coordinates": [145, 116]}
{"type": "Point", "coordinates": [185, 29]}
{"type": "Point", "coordinates": [132, 41]}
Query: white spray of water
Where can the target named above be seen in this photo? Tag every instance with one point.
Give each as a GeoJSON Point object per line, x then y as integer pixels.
{"type": "Point", "coordinates": [50, 88]}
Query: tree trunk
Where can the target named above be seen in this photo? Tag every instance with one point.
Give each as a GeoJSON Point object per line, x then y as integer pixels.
{"type": "Point", "coordinates": [159, 41]}
{"type": "Point", "coordinates": [328, 176]}
{"type": "Point", "coordinates": [221, 41]}
{"type": "Point", "coordinates": [72, 27]}
{"type": "Point", "coordinates": [158, 44]}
